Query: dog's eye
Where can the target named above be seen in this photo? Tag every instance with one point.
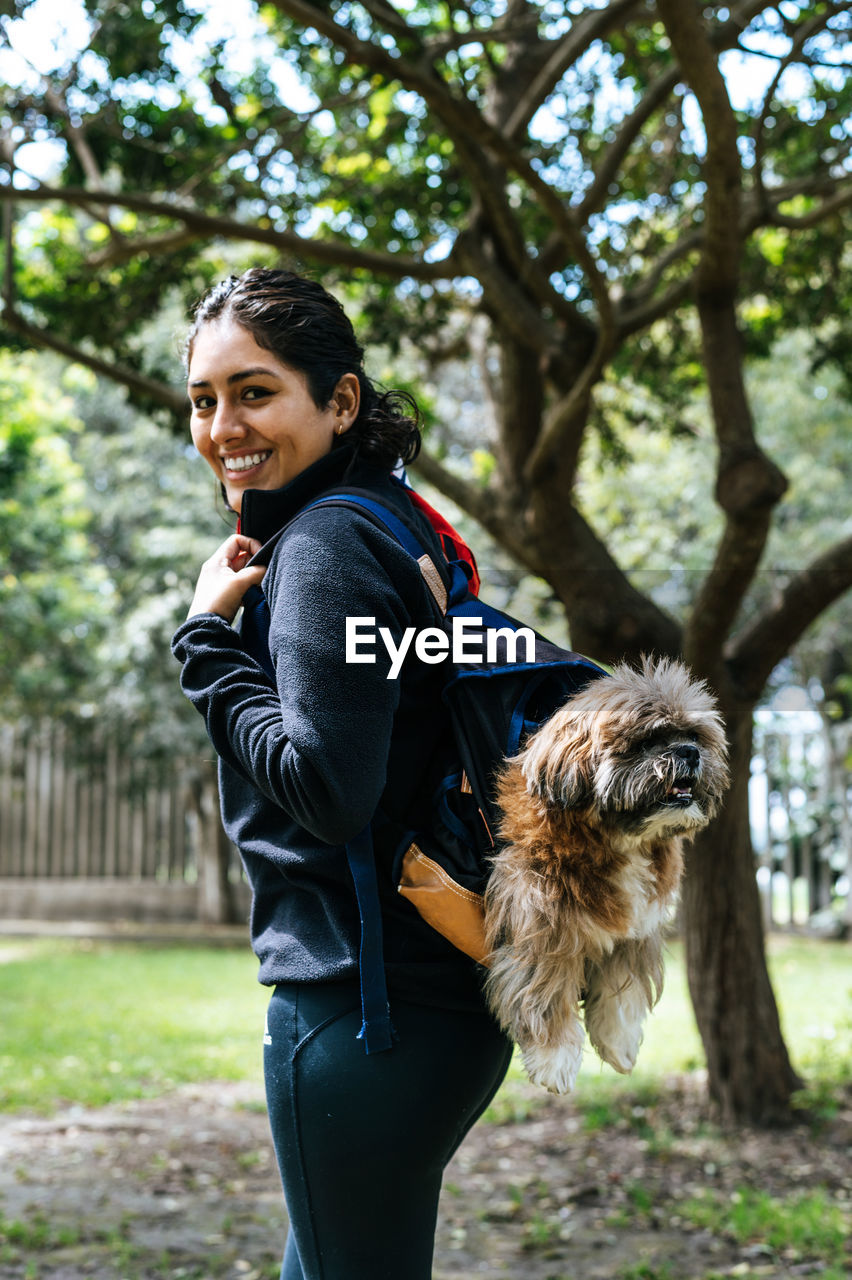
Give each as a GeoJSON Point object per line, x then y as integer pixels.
{"type": "Point", "coordinates": [663, 736]}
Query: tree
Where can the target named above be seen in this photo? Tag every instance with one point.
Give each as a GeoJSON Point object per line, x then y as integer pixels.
{"type": "Point", "coordinates": [55, 598]}
{"type": "Point", "coordinates": [595, 181]}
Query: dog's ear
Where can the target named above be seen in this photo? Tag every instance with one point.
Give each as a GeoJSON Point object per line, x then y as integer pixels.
{"type": "Point", "coordinates": [569, 788]}
{"type": "Point", "coordinates": [556, 768]}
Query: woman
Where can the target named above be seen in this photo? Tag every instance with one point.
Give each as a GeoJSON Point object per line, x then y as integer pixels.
{"type": "Point", "coordinates": [310, 747]}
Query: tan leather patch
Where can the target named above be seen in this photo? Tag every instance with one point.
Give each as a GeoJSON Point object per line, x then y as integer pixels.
{"type": "Point", "coordinates": [448, 907]}
{"type": "Point", "coordinates": [434, 582]}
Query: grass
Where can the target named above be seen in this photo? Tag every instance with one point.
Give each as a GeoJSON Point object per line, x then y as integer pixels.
{"type": "Point", "coordinates": [27, 1244]}
{"type": "Point", "coordinates": [805, 1226]}
{"type": "Point", "coordinates": [91, 1023]}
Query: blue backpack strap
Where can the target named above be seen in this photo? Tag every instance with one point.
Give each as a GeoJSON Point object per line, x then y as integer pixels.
{"type": "Point", "coordinates": [254, 628]}
{"type": "Point", "coordinates": [459, 585]}
{"type": "Point", "coordinates": [392, 523]}
{"type": "Point", "coordinates": [376, 1030]}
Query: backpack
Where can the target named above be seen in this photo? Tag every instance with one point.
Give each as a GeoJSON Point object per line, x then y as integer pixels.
{"type": "Point", "coordinates": [494, 702]}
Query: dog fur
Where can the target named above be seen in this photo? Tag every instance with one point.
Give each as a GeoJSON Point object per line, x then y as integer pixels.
{"type": "Point", "coordinates": [594, 811]}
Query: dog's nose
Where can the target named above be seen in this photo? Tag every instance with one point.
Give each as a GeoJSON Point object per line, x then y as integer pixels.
{"type": "Point", "coordinates": [688, 754]}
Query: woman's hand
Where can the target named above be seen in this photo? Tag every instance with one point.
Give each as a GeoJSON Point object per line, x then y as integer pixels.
{"type": "Point", "coordinates": [224, 579]}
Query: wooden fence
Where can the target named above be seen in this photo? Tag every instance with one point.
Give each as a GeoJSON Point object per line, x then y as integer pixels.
{"type": "Point", "coordinates": [89, 825]}
{"type": "Point", "coordinates": [91, 829]}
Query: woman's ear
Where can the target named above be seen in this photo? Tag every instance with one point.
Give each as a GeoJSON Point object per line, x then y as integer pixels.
{"type": "Point", "coordinates": [346, 401]}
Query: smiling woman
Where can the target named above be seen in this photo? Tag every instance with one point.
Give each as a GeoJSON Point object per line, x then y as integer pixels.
{"type": "Point", "coordinates": [312, 746]}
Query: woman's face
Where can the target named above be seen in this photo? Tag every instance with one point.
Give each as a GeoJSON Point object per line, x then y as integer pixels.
{"type": "Point", "coordinates": [253, 418]}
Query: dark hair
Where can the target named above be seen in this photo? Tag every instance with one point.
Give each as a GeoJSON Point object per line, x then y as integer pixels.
{"type": "Point", "coordinates": [306, 328]}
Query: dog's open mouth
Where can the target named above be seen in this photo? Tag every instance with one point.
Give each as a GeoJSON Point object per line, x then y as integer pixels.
{"type": "Point", "coordinates": [679, 794]}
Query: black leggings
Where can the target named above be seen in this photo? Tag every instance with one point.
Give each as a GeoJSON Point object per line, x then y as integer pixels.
{"type": "Point", "coordinates": [361, 1141]}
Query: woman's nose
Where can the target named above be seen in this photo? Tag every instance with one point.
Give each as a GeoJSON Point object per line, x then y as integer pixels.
{"type": "Point", "coordinates": [226, 423]}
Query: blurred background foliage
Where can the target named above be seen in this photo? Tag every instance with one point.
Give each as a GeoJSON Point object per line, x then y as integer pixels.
{"type": "Point", "coordinates": [105, 525]}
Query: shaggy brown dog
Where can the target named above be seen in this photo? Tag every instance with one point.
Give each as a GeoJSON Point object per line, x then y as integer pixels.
{"type": "Point", "coordinates": [594, 808]}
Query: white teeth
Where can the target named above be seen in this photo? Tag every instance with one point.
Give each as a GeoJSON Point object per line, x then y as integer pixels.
{"type": "Point", "coordinates": [248, 460]}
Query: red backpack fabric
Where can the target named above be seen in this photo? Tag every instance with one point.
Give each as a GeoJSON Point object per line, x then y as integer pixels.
{"type": "Point", "coordinates": [453, 544]}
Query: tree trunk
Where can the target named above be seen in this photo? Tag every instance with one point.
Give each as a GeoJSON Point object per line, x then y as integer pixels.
{"type": "Point", "coordinates": [750, 1075]}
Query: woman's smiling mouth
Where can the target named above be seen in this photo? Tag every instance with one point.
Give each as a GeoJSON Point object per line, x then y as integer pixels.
{"type": "Point", "coordinates": [245, 462]}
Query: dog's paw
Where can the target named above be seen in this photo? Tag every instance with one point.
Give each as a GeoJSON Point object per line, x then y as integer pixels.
{"type": "Point", "coordinates": [618, 1059]}
{"type": "Point", "coordinates": [554, 1067]}
{"type": "Point", "coordinates": [617, 1043]}
{"type": "Point", "coordinates": [615, 1019]}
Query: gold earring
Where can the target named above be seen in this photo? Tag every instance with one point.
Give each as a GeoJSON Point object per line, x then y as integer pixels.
{"type": "Point", "coordinates": [340, 428]}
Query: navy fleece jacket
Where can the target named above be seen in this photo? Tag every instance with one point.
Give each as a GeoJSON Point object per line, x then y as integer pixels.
{"type": "Point", "coordinates": [306, 758]}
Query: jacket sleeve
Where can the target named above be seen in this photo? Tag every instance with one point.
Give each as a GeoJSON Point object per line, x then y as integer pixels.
{"type": "Point", "coordinates": [316, 739]}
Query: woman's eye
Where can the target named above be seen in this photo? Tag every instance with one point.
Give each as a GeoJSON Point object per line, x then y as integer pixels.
{"type": "Point", "coordinates": [255, 393]}
{"type": "Point", "coordinates": [203, 402]}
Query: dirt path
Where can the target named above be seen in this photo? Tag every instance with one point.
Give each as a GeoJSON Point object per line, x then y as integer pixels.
{"type": "Point", "coordinates": [175, 1187]}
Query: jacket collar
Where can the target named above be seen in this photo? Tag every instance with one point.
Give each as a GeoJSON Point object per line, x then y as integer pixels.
{"type": "Point", "coordinates": [265, 511]}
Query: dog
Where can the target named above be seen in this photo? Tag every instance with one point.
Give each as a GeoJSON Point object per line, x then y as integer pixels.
{"type": "Point", "coordinates": [594, 810]}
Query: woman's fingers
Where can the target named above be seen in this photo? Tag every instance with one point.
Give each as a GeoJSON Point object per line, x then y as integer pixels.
{"type": "Point", "coordinates": [226, 577]}
{"type": "Point", "coordinates": [236, 551]}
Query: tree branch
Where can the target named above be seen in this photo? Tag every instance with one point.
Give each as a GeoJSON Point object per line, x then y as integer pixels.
{"type": "Point", "coordinates": [759, 647]}
{"type": "Point", "coordinates": [592, 26]}
{"type": "Point", "coordinates": [506, 299]}
{"type": "Point", "coordinates": [457, 113]}
{"type": "Point", "coordinates": [473, 499]}
{"type": "Point", "coordinates": [628, 131]}
{"type": "Point", "coordinates": [472, 136]}
{"type": "Point", "coordinates": [641, 317]}
{"type": "Point", "coordinates": [522, 397]}
{"type": "Point", "coordinates": [722, 167]}
{"type": "Point", "coordinates": [469, 129]}
{"type": "Point", "coordinates": [390, 19]}
{"type": "Point", "coordinates": [637, 300]}
{"type": "Point", "coordinates": [571, 410]}
{"type": "Point", "coordinates": [76, 135]}
{"type": "Point", "coordinates": [124, 250]}
{"type": "Point", "coordinates": [436, 47]}
{"type": "Point", "coordinates": [136, 382]}
{"type": "Point", "coordinates": [748, 484]}
{"type": "Point", "coordinates": [335, 252]}
{"type": "Point", "coordinates": [610, 617]}
{"type": "Point", "coordinates": [807, 29]}
{"type": "Point", "coordinates": [724, 37]}
{"type": "Point", "coordinates": [841, 199]}
{"type": "Point", "coordinates": [639, 308]}
{"type": "Point", "coordinates": [724, 587]}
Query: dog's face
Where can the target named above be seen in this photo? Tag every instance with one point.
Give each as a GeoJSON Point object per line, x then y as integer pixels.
{"type": "Point", "coordinates": [641, 752]}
